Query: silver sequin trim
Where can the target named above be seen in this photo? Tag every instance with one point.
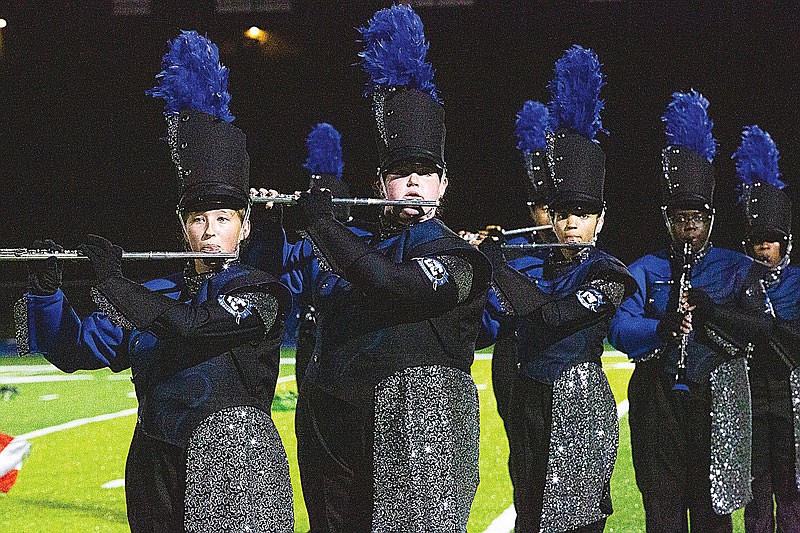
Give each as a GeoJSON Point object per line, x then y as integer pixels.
{"type": "Point", "coordinates": [237, 475]}
{"type": "Point", "coordinates": [378, 105]}
{"type": "Point", "coordinates": [613, 290]}
{"type": "Point", "coordinates": [583, 448]}
{"type": "Point", "coordinates": [107, 308]}
{"type": "Point", "coordinates": [266, 305]}
{"type": "Point", "coordinates": [728, 347]}
{"type": "Point", "coordinates": [731, 437]}
{"type": "Point", "coordinates": [505, 305]}
{"type": "Point", "coordinates": [172, 140]}
{"type": "Point", "coordinates": [21, 331]}
{"type": "Point", "coordinates": [794, 384]}
{"type": "Point", "coordinates": [321, 260]}
{"type": "Point", "coordinates": [425, 450]}
{"type": "Point", "coordinates": [461, 270]}
{"type": "Point", "coordinates": [550, 154]}
{"type": "Point", "coordinates": [655, 354]}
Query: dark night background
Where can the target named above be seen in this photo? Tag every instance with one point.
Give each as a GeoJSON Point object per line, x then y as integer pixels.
{"type": "Point", "coordinates": [79, 139]}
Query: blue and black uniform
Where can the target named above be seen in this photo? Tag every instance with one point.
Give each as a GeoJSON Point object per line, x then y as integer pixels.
{"type": "Point", "coordinates": [561, 420]}
{"type": "Point", "coordinates": [775, 387]}
{"type": "Point", "coordinates": [387, 420]}
{"type": "Point", "coordinates": [690, 451]}
{"type": "Point", "coordinates": [204, 355]}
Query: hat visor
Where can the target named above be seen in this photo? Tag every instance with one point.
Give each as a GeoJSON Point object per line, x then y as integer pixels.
{"type": "Point", "coordinates": [576, 202]}
{"type": "Point", "coordinates": [411, 154]}
{"type": "Point", "coordinates": [688, 201]}
{"type": "Point", "coordinates": [205, 196]}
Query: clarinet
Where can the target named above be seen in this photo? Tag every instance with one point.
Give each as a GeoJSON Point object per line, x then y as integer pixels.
{"type": "Point", "coordinates": [681, 385]}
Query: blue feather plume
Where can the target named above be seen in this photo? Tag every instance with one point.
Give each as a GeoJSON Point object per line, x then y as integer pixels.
{"type": "Point", "coordinates": [193, 78]}
{"type": "Point", "coordinates": [394, 51]}
{"type": "Point", "coordinates": [575, 89]}
{"type": "Point", "coordinates": [688, 125]}
{"type": "Point", "coordinates": [532, 122]}
{"type": "Point", "coordinates": [757, 159]}
{"type": "Point", "coordinates": [324, 145]}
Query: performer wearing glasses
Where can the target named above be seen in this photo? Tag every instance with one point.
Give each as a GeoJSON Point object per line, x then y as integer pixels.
{"type": "Point", "coordinates": [774, 378]}
{"type": "Point", "coordinates": [202, 344]}
{"type": "Point", "coordinates": [562, 422]}
{"type": "Point", "coordinates": [387, 420]}
{"type": "Point", "coordinates": [685, 329]}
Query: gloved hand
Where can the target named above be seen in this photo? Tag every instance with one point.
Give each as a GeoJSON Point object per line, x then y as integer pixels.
{"type": "Point", "coordinates": [317, 203]}
{"type": "Point", "coordinates": [44, 277]}
{"type": "Point", "coordinates": [491, 247]}
{"type": "Point", "coordinates": [669, 327]}
{"type": "Point", "coordinates": [106, 258]}
{"type": "Point", "coordinates": [704, 306]}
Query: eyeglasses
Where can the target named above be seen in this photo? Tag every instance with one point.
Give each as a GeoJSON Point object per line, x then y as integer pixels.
{"type": "Point", "coordinates": [697, 218]}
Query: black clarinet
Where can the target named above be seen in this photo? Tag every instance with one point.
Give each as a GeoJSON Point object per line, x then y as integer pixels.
{"type": "Point", "coordinates": [681, 386]}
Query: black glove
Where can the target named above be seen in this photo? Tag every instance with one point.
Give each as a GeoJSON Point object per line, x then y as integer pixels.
{"type": "Point", "coordinates": [669, 327]}
{"type": "Point", "coordinates": [106, 258]}
{"type": "Point", "coordinates": [704, 306]}
{"type": "Point", "coordinates": [317, 203]}
{"type": "Point", "coordinates": [44, 277]}
{"type": "Point", "coordinates": [491, 247]}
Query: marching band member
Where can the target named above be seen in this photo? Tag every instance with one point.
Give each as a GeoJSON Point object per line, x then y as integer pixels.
{"type": "Point", "coordinates": [774, 378]}
{"type": "Point", "coordinates": [387, 420]}
{"type": "Point", "coordinates": [689, 394]}
{"type": "Point", "coordinates": [562, 421]}
{"type": "Point", "coordinates": [202, 344]}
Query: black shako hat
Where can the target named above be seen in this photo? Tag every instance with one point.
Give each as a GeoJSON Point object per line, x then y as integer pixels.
{"type": "Point", "coordinates": [211, 157]}
{"type": "Point", "coordinates": [409, 126]}
{"type": "Point", "coordinates": [575, 160]}
{"type": "Point", "coordinates": [409, 117]}
{"type": "Point", "coordinates": [208, 151]}
{"type": "Point", "coordinates": [688, 173]}
{"type": "Point", "coordinates": [767, 209]}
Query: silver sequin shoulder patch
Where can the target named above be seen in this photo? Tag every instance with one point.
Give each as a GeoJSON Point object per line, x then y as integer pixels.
{"type": "Point", "coordinates": [794, 385]}
{"type": "Point", "coordinates": [21, 329]}
{"type": "Point", "coordinates": [731, 437]}
{"type": "Point", "coordinates": [583, 448]}
{"type": "Point", "coordinates": [425, 450]}
{"type": "Point", "coordinates": [237, 475]}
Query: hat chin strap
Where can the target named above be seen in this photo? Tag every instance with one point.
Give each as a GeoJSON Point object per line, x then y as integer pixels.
{"type": "Point", "coordinates": [708, 235]}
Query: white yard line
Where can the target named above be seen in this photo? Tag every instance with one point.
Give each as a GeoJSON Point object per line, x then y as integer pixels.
{"type": "Point", "coordinates": [76, 423]}
{"type": "Point", "coordinates": [8, 380]}
{"type": "Point", "coordinates": [505, 522]}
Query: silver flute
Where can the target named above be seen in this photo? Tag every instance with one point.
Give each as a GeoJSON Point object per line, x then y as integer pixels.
{"type": "Point", "coordinates": [26, 254]}
{"type": "Point", "coordinates": [290, 199]}
{"type": "Point", "coordinates": [523, 231]}
{"type": "Point", "coordinates": [540, 245]}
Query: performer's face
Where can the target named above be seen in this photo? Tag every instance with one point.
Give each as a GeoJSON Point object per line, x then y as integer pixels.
{"type": "Point", "coordinates": [575, 227]}
{"type": "Point", "coordinates": [539, 214]}
{"type": "Point", "coordinates": [413, 181]}
{"type": "Point", "coordinates": [215, 230]}
{"type": "Point", "coordinates": [689, 225]}
{"type": "Point", "coordinates": [766, 252]}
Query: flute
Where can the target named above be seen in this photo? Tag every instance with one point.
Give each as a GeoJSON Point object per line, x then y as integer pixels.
{"type": "Point", "coordinates": [540, 245]}
{"type": "Point", "coordinates": [523, 231]}
{"type": "Point", "coordinates": [26, 254]}
{"type": "Point", "coordinates": [289, 199]}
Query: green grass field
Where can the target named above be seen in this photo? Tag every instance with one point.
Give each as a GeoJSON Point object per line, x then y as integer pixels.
{"type": "Point", "coordinates": [60, 487]}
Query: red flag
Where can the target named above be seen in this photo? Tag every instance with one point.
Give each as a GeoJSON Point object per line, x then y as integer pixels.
{"type": "Point", "coordinates": [12, 452]}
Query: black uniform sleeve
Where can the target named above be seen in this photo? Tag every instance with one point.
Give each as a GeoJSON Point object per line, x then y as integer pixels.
{"type": "Point", "coordinates": [200, 332]}
{"type": "Point", "coordinates": [425, 286]}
